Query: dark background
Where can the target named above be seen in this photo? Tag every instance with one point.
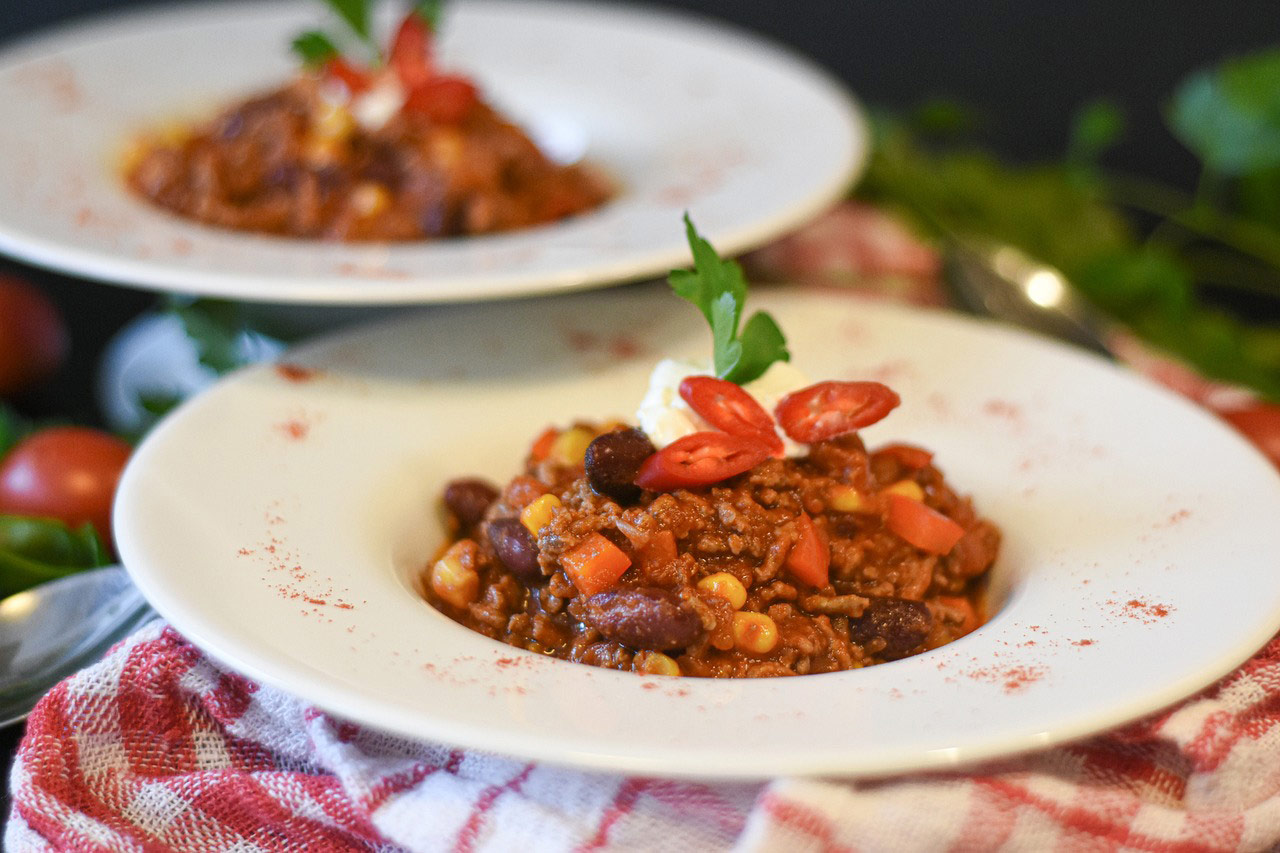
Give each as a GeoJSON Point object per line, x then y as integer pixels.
{"type": "Point", "coordinates": [1025, 65]}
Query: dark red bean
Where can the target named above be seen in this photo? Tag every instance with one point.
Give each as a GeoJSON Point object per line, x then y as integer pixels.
{"type": "Point", "coordinates": [614, 459]}
{"type": "Point", "coordinates": [902, 624]}
{"type": "Point", "coordinates": [468, 499]}
{"type": "Point", "coordinates": [516, 548]}
{"type": "Point", "coordinates": [645, 618]}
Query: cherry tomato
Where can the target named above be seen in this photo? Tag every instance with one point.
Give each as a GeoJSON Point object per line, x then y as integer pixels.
{"type": "Point", "coordinates": [410, 51]}
{"type": "Point", "coordinates": [33, 338]}
{"type": "Point", "coordinates": [922, 526]}
{"type": "Point", "coordinates": [356, 79]}
{"type": "Point", "coordinates": [1260, 423]}
{"type": "Point", "coordinates": [906, 455]}
{"type": "Point", "coordinates": [700, 459]}
{"type": "Point", "coordinates": [829, 409]}
{"type": "Point", "coordinates": [727, 407]}
{"type": "Point", "coordinates": [67, 473]}
{"type": "Point", "coordinates": [445, 98]}
{"type": "Point", "coordinates": [810, 557]}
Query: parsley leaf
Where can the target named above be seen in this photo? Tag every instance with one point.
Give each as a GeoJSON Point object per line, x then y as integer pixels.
{"type": "Point", "coordinates": [215, 329]}
{"type": "Point", "coordinates": [429, 11]}
{"type": "Point", "coordinates": [719, 289]}
{"type": "Point", "coordinates": [356, 15]}
{"type": "Point", "coordinates": [314, 48]}
{"type": "Point", "coordinates": [1230, 116]}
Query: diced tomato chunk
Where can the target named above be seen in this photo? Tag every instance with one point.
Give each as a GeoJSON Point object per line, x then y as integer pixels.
{"type": "Point", "coordinates": [907, 455]}
{"type": "Point", "coordinates": [922, 526]}
{"type": "Point", "coordinates": [595, 564]}
{"type": "Point", "coordinates": [810, 556]}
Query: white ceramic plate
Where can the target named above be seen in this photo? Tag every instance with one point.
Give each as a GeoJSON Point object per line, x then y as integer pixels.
{"type": "Point", "coordinates": [685, 114]}
{"type": "Point", "coordinates": [281, 524]}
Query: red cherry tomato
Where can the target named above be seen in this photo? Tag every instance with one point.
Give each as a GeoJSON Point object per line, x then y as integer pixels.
{"type": "Point", "coordinates": [700, 460]}
{"type": "Point", "coordinates": [922, 526]}
{"type": "Point", "coordinates": [445, 98]}
{"type": "Point", "coordinates": [356, 79]}
{"type": "Point", "coordinates": [33, 338]}
{"type": "Point", "coordinates": [727, 407]}
{"type": "Point", "coordinates": [829, 409]}
{"type": "Point", "coordinates": [68, 473]}
{"type": "Point", "coordinates": [810, 556]}
{"type": "Point", "coordinates": [906, 455]}
{"type": "Point", "coordinates": [1260, 423]}
{"type": "Point", "coordinates": [410, 51]}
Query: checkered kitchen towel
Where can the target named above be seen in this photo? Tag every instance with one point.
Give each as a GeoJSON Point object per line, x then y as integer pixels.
{"type": "Point", "coordinates": [158, 748]}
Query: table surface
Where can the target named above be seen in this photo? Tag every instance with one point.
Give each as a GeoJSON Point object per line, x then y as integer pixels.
{"type": "Point", "coordinates": [1026, 66]}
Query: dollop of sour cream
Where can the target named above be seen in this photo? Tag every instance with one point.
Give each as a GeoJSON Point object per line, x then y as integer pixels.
{"type": "Point", "coordinates": [665, 416]}
{"type": "Point", "coordinates": [374, 108]}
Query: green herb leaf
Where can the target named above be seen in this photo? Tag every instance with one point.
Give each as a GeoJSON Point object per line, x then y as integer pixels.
{"type": "Point", "coordinates": [35, 550]}
{"type": "Point", "coordinates": [356, 15]}
{"type": "Point", "coordinates": [1230, 116]}
{"type": "Point", "coordinates": [314, 48]}
{"type": "Point", "coordinates": [13, 428]}
{"type": "Point", "coordinates": [719, 289]}
{"type": "Point", "coordinates": [1097, 126]}
{"type": "Point", "coordinates": [216, 329]}
{"type": "Point", "coordinates": [430, 12]}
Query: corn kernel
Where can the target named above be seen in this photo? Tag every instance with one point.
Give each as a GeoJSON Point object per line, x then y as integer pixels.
{"type": "Point", "coordinates": [332, 121]}
{"type": "Point", "coordinates": [370, 199]}
{"type": "Point", "coordinates": [452, 577]}
{"type": "Point", "coordinates": [754, 633]}
{"type": "Point", "coordinates": [908, 489]}
{"type": "Point", "coordinates": [845, 498]}
{"type": "Point", "coordinates": [537, 514]}
{"type": "Point", "coordinates": [655, 663]}
{"type": "Point", "coordinates": [726, 586]}
{"type": "Point", "coordinates": [570, 446]}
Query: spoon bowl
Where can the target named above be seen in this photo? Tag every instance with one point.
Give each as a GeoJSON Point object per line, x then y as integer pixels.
{"type": "Point", "coordinates": [51, 630]}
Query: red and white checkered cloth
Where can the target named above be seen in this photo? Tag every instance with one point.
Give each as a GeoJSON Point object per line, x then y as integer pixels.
{"type": "Point", "coordinates": [158, 748]}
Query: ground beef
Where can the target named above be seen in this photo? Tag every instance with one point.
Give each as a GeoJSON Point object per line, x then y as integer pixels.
{"type": "Point", "coordinates": [290, 163]}
{"type": "Point", "coordinates": [885, 599]}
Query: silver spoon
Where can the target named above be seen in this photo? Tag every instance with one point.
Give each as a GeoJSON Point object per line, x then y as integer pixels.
{"type": "Point", "coordinates": [54, 629]}
{"type": "Point", "coordinates": [997, 280]}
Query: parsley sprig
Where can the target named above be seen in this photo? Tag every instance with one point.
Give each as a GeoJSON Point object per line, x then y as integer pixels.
{"type": "Point", "coordinates": [719, 289]}
{"type": "Point", "coordinates": [316, 47]}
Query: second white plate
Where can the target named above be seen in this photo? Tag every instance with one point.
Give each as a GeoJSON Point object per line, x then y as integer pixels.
{"type": "Point", "coordinates": [685, 114]}
{"type": "Point", "coordinates": [280, 520]}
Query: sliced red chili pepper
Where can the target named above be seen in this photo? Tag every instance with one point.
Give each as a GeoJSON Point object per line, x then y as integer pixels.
{"type": "Point", "coordinates": [445, 98]}
{"type": "Point", "coordinates": [922, 526]}
{"type": "Point", "coordinates": [700, 459]}
{"type": "Point", "coordinates": [810, 556]}
{"type": "Point", "coordinates": [829, 409]}
{"type": "Point", "coordinates": [356, 79]}
{"type": "Point", "coordinates": [726, 406]}
{"type": "Point", "coordinates": [411, 51]}
{"type": "Point", "coordinates": [907, 456]}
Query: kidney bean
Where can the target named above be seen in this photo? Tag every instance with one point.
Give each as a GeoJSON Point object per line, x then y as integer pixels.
{"type": "Point", "coordinates": [468, 499]}
{"type": "Point", "coordinates": [516, 548]}
{"type": "Point", "coordinates": [902, 624]}
{"type": "Point", "coordinates": [614, 459]}
{"type": "Point", "coordinates": [644, 618]}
